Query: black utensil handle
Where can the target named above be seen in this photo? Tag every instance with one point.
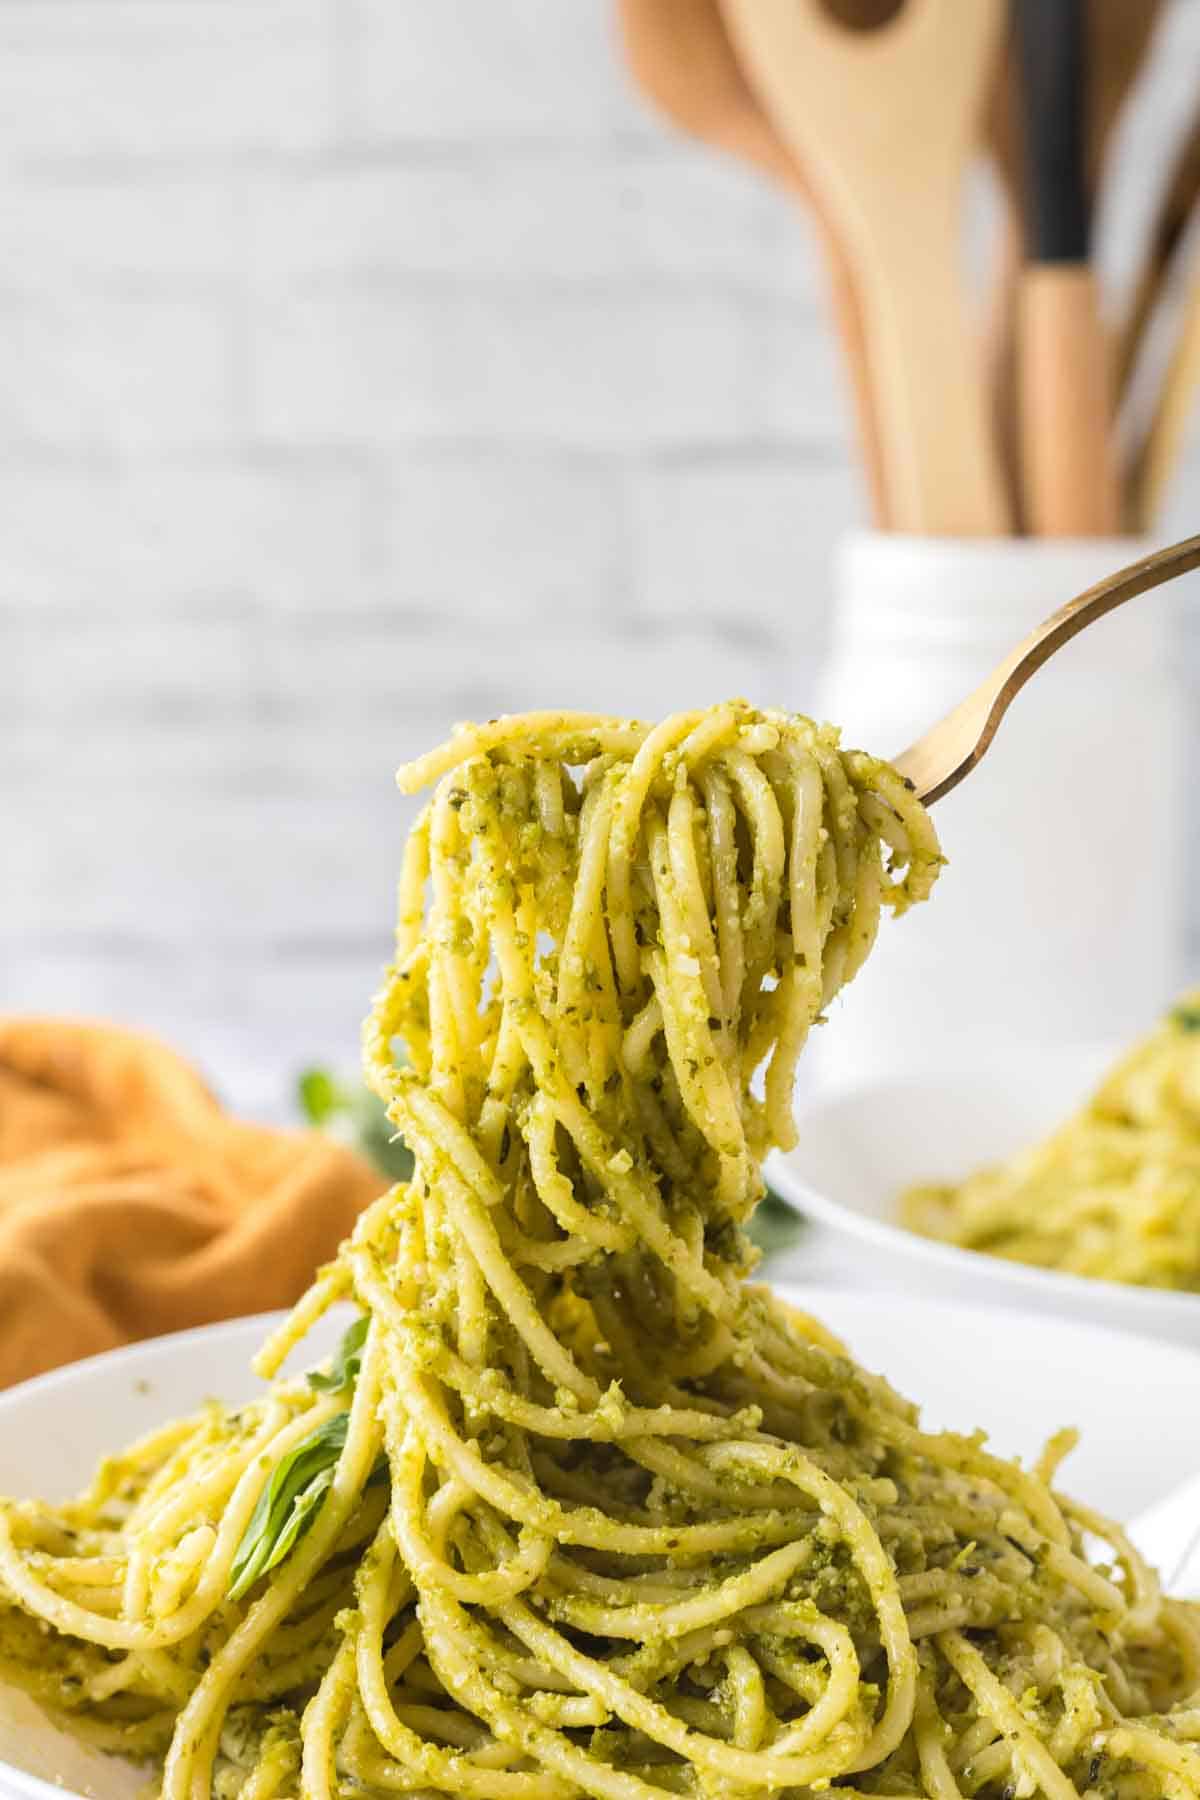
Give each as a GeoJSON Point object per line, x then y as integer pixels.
{"type": "Point", "coordinates": [1051, 43]}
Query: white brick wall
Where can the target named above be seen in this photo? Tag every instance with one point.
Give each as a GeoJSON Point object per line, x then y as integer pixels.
{"type": "Point", "coordinates": [365, 364]}
{"type": "Point", "coordinates": [161, 81]}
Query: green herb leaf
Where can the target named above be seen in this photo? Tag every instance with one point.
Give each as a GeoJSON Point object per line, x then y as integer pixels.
{"type": "Point", "coordinates": [321, 1097]}
{"type": "Point", "coordinates": [305, 1508]}
{"type": "Point", "coordinates": [1187, 1018]}
{"type": "Point", "coordinates": [288, 1504]}
{"type": "Point", "coordinates": [347, 1361]}
{"type": "Point", "coordinates": [378, 1141]}
{"type": "Point", "coordinates": [355, 1116]}
{"type": "Point", "coordinates": [775, 1226]}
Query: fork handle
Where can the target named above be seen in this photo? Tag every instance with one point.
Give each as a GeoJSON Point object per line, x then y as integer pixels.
{"type": "Point", "coordinates": [946, 753]}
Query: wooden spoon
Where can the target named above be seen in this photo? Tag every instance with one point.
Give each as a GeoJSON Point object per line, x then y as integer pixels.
{"type": "Point", "coordinates": [680, 55]}
{"type": "Point", "coordinates": [884, 123]}
{"type": "Point", "coordinates": [948, 752]}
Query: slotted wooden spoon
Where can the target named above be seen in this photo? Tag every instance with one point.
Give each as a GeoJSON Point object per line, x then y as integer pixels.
{"type": "Point", "coordinates": [680, 55]}
{"type": "Point", "coordinates": [947, 753]}
{"type": "Point", "coordinates": [884, 123]}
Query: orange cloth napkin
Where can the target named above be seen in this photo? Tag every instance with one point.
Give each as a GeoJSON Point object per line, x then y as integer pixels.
{"type": "Point", "coordinates": [131, 1204]}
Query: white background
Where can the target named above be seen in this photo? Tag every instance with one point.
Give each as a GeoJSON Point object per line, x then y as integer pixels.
{"type": "Point", "coordinates": [364, 365]}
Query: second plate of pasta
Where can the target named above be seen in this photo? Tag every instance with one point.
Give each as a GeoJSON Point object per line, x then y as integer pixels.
{"type": "Point", "coordinates": [863, 1148]}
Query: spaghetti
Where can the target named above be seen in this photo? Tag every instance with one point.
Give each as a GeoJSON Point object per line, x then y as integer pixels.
{"type": "Point", "coordinates": [1114, 1193]}
{"type": "Point", "coordinates": [575, 1510]}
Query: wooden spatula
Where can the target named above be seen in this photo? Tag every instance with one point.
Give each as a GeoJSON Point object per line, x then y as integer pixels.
{"type": "Point", "coordinates": [1166, 432]}
{"type": "Point", "coordinates": [680, 54]}
{"type": "Point", "coordinates": [883, 123]}
{"type": "Point", "coordinates": [1169, 227]}
{"type": "Point", "coordinates": [1118, 38]}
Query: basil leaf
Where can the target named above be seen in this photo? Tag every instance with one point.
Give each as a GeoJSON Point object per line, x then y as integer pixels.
{"type": "Point", "coordinates": [321, 1096]}
{"type": "Point", "coordinates": [347, 1361]}
{"type": "Point", "coordinates": [355, 1116]}
{"type": "Point", "coordinates": [288, 1504]}
{"type": "Point", "coordinates": [775, 1226]}
{"type": "Point", "coordinates": [305, 1508]}
{"type": "Point", "coordinates": [1187, 1018]}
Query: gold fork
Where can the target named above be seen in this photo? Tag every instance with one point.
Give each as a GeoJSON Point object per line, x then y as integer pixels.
{"type": "Point", "coordinates": [949, 750]}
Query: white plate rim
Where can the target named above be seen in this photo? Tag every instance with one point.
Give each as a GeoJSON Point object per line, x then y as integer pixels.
{"type": "Point", "coordinates": [805, 1296]}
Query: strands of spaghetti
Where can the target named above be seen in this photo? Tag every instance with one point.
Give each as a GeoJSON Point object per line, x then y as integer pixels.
{"type": "Point", "coordinates": [1114, 1193]}
{"type": "Point", "coordinates": [576, 1510]}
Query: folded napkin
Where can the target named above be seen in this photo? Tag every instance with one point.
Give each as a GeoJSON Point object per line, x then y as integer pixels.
{"type": "Point", "coordinates": [132, 1204]}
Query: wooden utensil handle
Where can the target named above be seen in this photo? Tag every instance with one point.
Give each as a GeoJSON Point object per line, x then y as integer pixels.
{"type": "Point", "coordinates": [1170, 227]}
{"type": "Point", "coordinates": [848, 316]}
{"type": "Point", "coordinates": [1159, 455]}
{"type": "Point", "coordinates": [926, 360]}
{"type": "Point", "coordinates": [1065, 398]}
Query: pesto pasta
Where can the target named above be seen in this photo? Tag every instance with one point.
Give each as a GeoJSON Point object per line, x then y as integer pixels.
{"type": "Point", "coordinates": [576, 1509]}
{"type": "Point", "coordinates": [1114, 1193]}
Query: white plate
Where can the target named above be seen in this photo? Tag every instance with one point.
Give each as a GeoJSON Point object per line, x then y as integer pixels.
{"type": "Point", "coordinates": [1020, 1377]}
{"type": "Point", "coordinates": [861, 1146]}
